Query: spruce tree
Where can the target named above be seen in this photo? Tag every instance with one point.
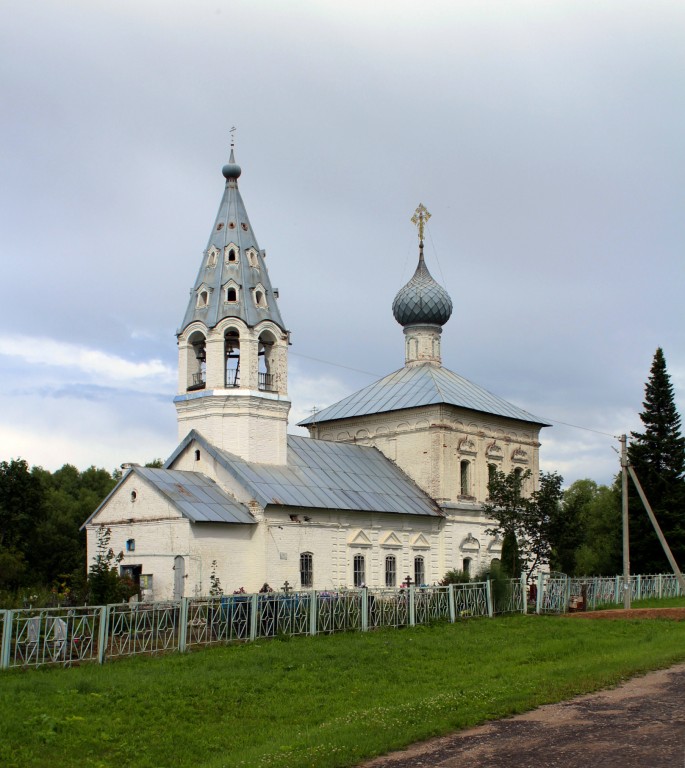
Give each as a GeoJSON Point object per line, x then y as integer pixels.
{"type": "Point", "coordinates": [658, 457]}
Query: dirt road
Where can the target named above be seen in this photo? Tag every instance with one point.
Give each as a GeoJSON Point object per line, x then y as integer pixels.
{"type": "Point", "coordinates": [640, 724]}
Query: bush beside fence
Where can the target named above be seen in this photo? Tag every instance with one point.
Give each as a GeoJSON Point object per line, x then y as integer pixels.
{"type": "Point", "coordinates": [66, 636]}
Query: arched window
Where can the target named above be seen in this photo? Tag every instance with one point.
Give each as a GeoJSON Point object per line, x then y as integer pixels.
{"type": "Point", "coordinates": [359, 572]}
{"type": "Point", "coordinates": [231, 294]}
{"type": "Point", "coordinates": [267, 358]}
{"type": "Point", "coordinates": [419, 571]}
{"type": "Point", "coordinates": [466, 566]}
{"type": "Point", "coordinates": [130, 545]}
{"type": "Point", "coordinates": [197, 454]}
{"type": "Point", "coordinates": [232, 355]}
{"type": "Point", "coordinates": [492, 472]}
{"type": "Point", "coordinates": [197, 359]}
{"type": "Point", "coordinates": [259, 299]}
{"type": "Point", "coordinates": [390, 571]}
{"type": "Point", "coordinates": [231, 255]}
{"type": "Point", "coordinates": [202, 299]}
{"type": "Point", "coordinates": [464, 479]}
{"type": "Point", "coordinates": [306, 569]}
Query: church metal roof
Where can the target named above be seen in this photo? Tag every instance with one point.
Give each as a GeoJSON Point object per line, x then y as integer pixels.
{"type": "Point", "coordinates": [232, 228]}
{"type": "Point", "coordinates": [325, 475]}
{"type": "Point", "coordinates": [196, 496]}
{"type": "Point", "coordinates": [414, 386]}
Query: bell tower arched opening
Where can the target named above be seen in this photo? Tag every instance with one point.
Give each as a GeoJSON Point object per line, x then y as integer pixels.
{"type": "Point", "coordinates": [267, 378]}
{"type": "Point", "coordinates": [232, 355]}
{"type": "Point", "coordinates": [197, 361]}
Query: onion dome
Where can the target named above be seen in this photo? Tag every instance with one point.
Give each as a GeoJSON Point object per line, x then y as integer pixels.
{"type": "Point", "coordinates": [231, 170]}
{"type": "Point", "coordinates": [422, 301]}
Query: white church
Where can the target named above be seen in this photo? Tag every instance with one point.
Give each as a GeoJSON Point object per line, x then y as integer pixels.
{"type": "Point", "coordinates": [387, 488]}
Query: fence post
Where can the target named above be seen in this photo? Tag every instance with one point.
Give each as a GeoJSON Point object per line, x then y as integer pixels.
{"type": "Point", "coordinates": [412, 605]}
{"type": "Point", "coordinates": [450, 598]}
{"type": "Point", "coordinates": [365, 609]}
{"type": "Point", "coordinates": [524, 594]}
{"type": "Point", "coordinates": [639, 588]}
{"type": "Point", "coordinates": [617, 590]}
{"type": "Point", "coordinates": [312, 613]}
{"type": "Point", "coordinates": [538, 597]}
{"type": "Point", "coordinates": [254, 605]}
{"type": "Point", "coordinates": [183, 624]}
{"type": "Point", "coordinates": [488, 597]}
{"type": "Point", "coordinates": [103, 634]}
{"type": "Point", "coordinates": [6, 639]}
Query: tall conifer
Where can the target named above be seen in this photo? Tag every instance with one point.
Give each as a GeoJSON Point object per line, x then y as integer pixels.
{"type": "Point", "coordinates": [658, 458]}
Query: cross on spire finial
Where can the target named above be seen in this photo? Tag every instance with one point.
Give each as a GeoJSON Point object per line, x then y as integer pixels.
{"type": "Point", "coordinates": [420, 219]}
{"type": "Point", "coordinates": [232, 132]}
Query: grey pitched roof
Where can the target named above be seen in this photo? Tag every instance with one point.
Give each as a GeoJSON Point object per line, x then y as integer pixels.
{"type": "Point", "coordinates": [414, 386]}
{"type": "Point", "coordinates": [325, 475]}
{"type": "Point", "coordinates": [195, 495]}
{"type": "Point", "coordinates": [232, 226]}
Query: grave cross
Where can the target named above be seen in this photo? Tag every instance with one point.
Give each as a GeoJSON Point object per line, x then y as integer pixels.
{"type": "Point", "coordinates": [286, 587]}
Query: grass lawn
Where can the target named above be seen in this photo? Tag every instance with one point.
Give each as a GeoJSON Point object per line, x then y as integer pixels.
{"type": "Point", "coordinates": [318, 701]}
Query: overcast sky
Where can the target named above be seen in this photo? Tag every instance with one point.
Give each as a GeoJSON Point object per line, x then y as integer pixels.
{"type": "Point", "coordinates": [546, 139]}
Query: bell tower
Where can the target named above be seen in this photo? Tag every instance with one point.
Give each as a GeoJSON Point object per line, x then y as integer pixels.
{"type": "Point", "coordinates": [232, 344]}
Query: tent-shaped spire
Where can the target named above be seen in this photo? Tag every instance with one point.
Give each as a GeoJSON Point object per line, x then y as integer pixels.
{"type": "Point", "coordinates": [232, 280]}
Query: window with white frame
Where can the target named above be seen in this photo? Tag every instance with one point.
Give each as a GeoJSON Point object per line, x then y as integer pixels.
{"type": "Point", "coordinates": [306, 569]}
{"type": "Point", "coordinates": [390, 571]}
{"type": "Point", "coordinates": [359, 571]}
{"type": "Point", "coordinates": [419, 570]}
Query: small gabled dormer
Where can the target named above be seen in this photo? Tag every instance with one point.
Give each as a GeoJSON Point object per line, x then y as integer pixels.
{"type": "Point", "coordinates": [252, 257]}
{"type": "Point", "coordinates": [232, 254]}
{"type": "Point", "coordinates": [259, 296]}
{"type": "Point", "coordinates": [212, 256]}
{"type": "Point", "coordinates": [203, 295]}
{"type": "Point", "coordinates": [231, 292]}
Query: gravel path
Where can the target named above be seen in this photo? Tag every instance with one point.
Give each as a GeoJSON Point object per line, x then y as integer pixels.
{"type": "Point", "coordinates": [639, 724]}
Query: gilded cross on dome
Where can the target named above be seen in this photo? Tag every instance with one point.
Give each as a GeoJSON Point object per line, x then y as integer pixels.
{"type": "Point", "coordinates": [420, 218]}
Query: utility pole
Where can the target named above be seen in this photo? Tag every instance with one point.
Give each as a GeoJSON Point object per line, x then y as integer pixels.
{"type": "Point", "coordinates": [624, 509]}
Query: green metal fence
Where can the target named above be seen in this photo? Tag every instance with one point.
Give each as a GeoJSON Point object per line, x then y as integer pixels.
{"type": "Point", "coordinates": [68, 636]}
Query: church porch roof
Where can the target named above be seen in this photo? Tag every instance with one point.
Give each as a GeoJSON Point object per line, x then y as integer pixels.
{"type": "Point", "coordinates": [196, 496]}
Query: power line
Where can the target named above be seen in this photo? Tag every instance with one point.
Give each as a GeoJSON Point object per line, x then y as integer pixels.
{"type": "Point", "coordinates": [577, 426]}
{"type": "Point", "coordinates": [335, 365]}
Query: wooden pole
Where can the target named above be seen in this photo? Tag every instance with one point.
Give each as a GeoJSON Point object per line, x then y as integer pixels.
{"type": "Point", "coordinates": [624, 509]}
{"type": "Point", "coordinates": [657, 528]}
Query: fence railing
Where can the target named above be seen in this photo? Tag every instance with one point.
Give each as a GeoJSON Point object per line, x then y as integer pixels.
{"type": "Point", "coordinates": [65, 636]}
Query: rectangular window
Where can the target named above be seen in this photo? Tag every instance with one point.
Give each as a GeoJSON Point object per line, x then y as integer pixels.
{"type": "Point", "coordinates": [359, 571]}
{"type": "Point", "coordinates": [390, 571]}
{"type": "Point", "coordinates": [307, 569]}
{"type": "Point", "coordinates": [464, 478]}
